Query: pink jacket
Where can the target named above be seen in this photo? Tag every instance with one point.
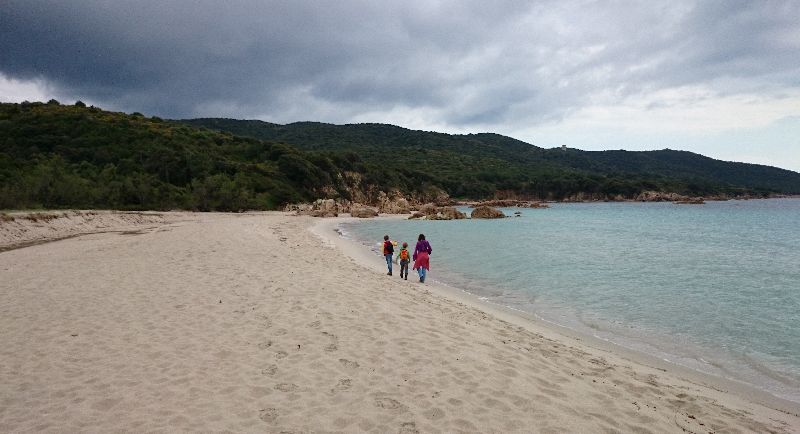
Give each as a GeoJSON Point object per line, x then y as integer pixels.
{"type": "Point", "coordinates": [422, 261]}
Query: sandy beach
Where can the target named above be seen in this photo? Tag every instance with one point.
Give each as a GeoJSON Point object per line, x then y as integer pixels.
{"type": "Point", "coordinates": [265, 322]}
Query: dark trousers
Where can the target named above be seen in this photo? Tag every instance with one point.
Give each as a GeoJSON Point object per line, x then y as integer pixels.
{"type": "Point", "coordinates": [404, 268]}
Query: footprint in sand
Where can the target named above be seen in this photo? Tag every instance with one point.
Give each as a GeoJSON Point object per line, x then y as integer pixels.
{"type": "Point", "coordinates": [264, 345]}
{"type": "Point", "coordinates": [270, 370]}
{"type": "Point", "coordinates": [315, 324]}
{"type": "Point", "coordinates": [332, 346]}
{"type": "Point", "coordinates": [348, 363]}
{"type": "Point", "coordinates": [344, 384]}
{"type": "Point", "coordinates": [268, 415]}
{"type": "Point", "coordinates": [286, 387]}
{"type": "Point", "coordinates": [281, 354]}
{"type": "Point", "coordinates": [387, 403]}
{"type": "Point", "coordinates": [409, 428]}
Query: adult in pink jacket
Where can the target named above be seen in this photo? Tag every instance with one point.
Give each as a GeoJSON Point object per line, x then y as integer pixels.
{"type": "Point", "coordinates": [422, 257]}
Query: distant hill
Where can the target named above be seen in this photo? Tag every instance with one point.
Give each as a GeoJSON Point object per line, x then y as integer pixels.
{"type": "Point", "coordinates": [58, 156]}
{"type": "Point", "coordinates": [478, 164]}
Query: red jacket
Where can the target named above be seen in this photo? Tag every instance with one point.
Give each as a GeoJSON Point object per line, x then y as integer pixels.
{"type": "Point", "coordinates": [388, 247]}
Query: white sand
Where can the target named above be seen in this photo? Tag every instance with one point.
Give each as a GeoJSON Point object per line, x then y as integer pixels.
{"type": "Point", "coordinates": [253, 323]}
{"type": "Point", "coordinates": [20, 229]}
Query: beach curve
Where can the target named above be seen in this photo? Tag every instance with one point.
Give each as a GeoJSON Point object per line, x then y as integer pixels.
{"type": "Point", "coordinates": [252, 322]}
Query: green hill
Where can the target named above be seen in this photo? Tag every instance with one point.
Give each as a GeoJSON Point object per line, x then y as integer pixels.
{"type": "Point", "coordinates": [57, 156]}
{"type": "Point", "coordinates": [478, 164]}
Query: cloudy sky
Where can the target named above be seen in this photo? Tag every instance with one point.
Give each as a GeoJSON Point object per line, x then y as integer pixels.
{"type": "Point", "coordinates": [721, 78]}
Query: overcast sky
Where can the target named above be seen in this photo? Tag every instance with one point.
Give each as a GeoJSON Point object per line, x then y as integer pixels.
{"type": "Point", "coordinates": [721, 78]}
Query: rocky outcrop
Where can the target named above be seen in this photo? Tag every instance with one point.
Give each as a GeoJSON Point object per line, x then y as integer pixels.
{"type": "Point", "coordinates": [449, 213]}
{"type": "Point", "coordinates": [325, 208]}
{"type": "Point", "coordinates": [393, 203]}
{"type": "Point", "coordinates": [431, 194]}
{"type": "Point", "coordinates": [299, 208]}
{"type": "Point", "coordinates": [486, 212]}
{"type": "Point", "coordinates": [430, 211]}
{"type": "Point", "coordinates": [500, 203]}
{"type": "Point", "coordinates": [323, 213]}
{"type": "Point", "coordinates": [320, 208]}
{"type": "Point", "coordinates": [363, 212]}
{"type": "Point", "coordinates": [659, 196]}
{"type": "Point", "coordinates": [585, 197]}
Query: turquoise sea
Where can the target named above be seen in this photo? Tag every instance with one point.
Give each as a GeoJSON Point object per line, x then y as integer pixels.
{"type": "Point", "coordinates": [712, 287]}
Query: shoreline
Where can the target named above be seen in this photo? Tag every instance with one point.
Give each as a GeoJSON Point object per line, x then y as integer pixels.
{"type": "Point", "coordinates": [471, 203]}
{"type": "Point", "coordinates": [328, 230]}
{"type": "Point", "coordinates": [213, 322]}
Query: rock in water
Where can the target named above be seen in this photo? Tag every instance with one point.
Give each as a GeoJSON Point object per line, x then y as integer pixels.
{"type": "Point", "coordinates": [430, 211]}
{"type": "Point", "coordinates": [487, 212]}
{"type": "Point", "coordinates": [658, 196]}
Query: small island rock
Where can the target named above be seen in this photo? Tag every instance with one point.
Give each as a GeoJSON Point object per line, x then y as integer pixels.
{"type": "Point", "coordinates": [487, 212]}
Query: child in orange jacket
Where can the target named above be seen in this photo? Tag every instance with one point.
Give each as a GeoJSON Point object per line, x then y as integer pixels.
{"type": "Point", "coordinates": [405, 258]}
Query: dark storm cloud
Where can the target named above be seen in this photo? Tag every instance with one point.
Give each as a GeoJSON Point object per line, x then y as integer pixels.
{"type": "Point", "coordinates": [477, 62]}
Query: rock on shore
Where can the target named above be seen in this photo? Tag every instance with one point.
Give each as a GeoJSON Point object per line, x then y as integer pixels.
{"type": "Point", "coordinates": [432, 212]}
{"type": "Point", "coordinates": [363, 212]}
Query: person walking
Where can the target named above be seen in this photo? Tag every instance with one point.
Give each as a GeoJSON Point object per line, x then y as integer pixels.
{"type": "Point", "coordinates": [404, 257]}
{"type": "Point", "coordinates": [422, 257]}
{"type": "Point", "coordinates": [388, 252]}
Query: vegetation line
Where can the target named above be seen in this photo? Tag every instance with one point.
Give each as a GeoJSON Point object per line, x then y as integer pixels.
{"type": "Point", "coordinates": [54, 156]}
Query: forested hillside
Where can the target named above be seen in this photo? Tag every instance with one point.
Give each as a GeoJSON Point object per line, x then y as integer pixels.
{"type": "Point", "coordinates": [57, 156]}
{"type": "Point", "coordinates": [492, 161]}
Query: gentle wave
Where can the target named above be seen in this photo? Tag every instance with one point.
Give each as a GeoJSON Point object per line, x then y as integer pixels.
{"type": "Point", "coordinates": [713, 288]}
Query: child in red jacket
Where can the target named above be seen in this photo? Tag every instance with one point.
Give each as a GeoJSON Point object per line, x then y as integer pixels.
{"type": "Point", "coordinates": [388, 252]}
